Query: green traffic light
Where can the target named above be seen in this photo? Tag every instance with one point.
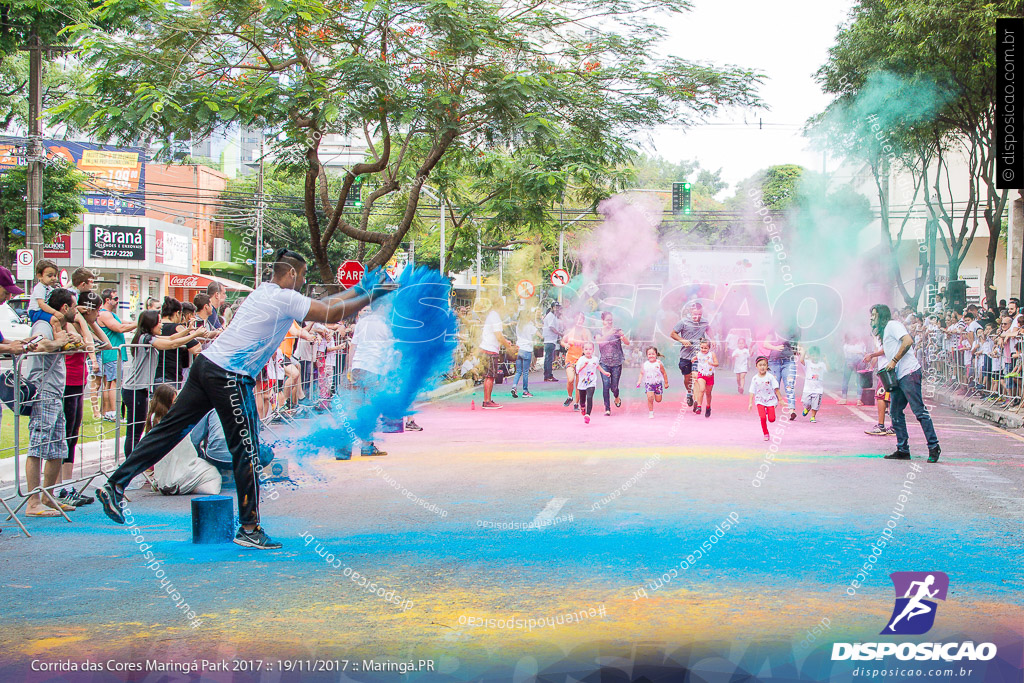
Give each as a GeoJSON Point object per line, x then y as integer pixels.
{"type": "Point", "coordinates": [686, 186]}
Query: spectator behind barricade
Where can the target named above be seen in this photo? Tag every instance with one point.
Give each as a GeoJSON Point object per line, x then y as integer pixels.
{"type": "Point", "coordinates": [46, 282]}
{"type": "Point", "coordinates": [114, 329]}
{"type": "Point", "coordinates": [84, 280]}
{"type": "Point", "coordinates": [304, 353]}
{"type": "Point", "coordinates": [172, 363]}
{"type": "Point", "coordinates": [181, 471]}
{"type": "Point", "coordinates": [212, 446]}
{"type": "Point", "coordinates": [87, 312]}
{"type": "Point", "coordinates": [218, 298]}
{"type": "Point", "coordinates": [292, 374]}
{"type": "Point", "coordinates": [46, 372]}
{"type": "Point", "coordinates": [1013, 312]}
{"type": "Point", "coordinates": [204, 317]}
{"type": "Point", "coordinates": [152, 304]}
{"type": "Point", "coordinates": [147, 344]}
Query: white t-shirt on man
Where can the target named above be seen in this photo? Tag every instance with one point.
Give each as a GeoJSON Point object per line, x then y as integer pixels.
{"type": "Point", "coordinates": [488, 337]}
{"type": "Point", "coordinates": [257, 329]}
{"type": "Point", "coordinates": [891, 340]}
{"type": "Point", "coordinates": [372, 340]}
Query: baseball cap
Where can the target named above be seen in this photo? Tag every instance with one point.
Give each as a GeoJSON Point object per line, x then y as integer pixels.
{"type": "Point", "coordinates": [7, 282]}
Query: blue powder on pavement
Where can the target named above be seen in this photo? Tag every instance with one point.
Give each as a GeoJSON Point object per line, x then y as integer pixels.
{"type": "Point", "coordinates": [423, 328]}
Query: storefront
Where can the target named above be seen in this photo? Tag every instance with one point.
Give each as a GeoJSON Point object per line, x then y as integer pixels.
{"type": "Point", "coordinates": [133, 254]}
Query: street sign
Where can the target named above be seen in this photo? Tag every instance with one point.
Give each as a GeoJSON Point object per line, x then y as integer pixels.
{"type": "Point", "coordinates": [26, 261]}
{"type": "Point", "coordinates": [560, 278]}
{"type": "Point", "coordinates": [350, 273]}
{"type": "Point", "coordinates": [524, 289]}
{"type": "Point", "coordinates": [65, 278]}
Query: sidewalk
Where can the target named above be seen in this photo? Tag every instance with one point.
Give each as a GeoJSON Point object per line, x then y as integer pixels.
{"type": "Point", "coordinates": [982, 408]}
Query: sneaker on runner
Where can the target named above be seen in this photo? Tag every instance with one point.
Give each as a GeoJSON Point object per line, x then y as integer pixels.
{"type": "Point", "coordinates": [412, 426]}
{"type": "Point", "coordinates": [806, 410]}
{"type": "Point", "coordinates": [889, 431]}
{"type": "Point", "coordinates": [689, 399]}
{"type": "Point", "coordinates": [618, 402]}
{"type": "Point", "coordinates": [514, 394]}
{"type": "Point", "coordinates": [490, 405]}
{"type": "Point", "coordinates": [586, 419]}
{"type": "Point", "coordinates": [371, 451]}
{"type": "Point", "coordinates": [111, 501]}
{"type": "Point", "coordinates": [575, 407]}
{"type": "Point", "coordinates": [567, 402]}
{"type": "Point", "coordinates": [608, 413]}
{"type": "Point", "coordinates": [878, 430]}
{"type": "Point", "coordinates": [707, 412]}
{"type": "Point", "coordinates": [934, 453]}
{"type": "Point", "coordinates": [257, 538]}
{"type": "Point", "coordinates": [527, 394]}
{"type": "Point", "coordinates": [650, 415]}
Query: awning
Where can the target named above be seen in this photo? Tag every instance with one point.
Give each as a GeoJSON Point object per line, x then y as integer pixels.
{"type": "Point", "coordinates": [202, 281]}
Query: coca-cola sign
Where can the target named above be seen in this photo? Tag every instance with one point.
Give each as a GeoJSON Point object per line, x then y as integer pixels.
{"type": "Point", "coordinates": [188, 281]}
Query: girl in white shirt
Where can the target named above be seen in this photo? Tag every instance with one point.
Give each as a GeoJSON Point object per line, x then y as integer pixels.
{"type": "Point", "coordinates": [654, 378]}
{"type": "Point", "coordinates": [587, 368]}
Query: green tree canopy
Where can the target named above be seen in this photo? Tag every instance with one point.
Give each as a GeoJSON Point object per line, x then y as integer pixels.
{"type": "Point", "coordinates": [419, 80]}
{"type": "Point", "coordinates": [62, 195]}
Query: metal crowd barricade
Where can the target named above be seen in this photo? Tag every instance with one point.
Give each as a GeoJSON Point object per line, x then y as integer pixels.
{"type": "Point", "coordinates": [989, 379]}
{"type": "Point", "coordinates": [96, 452]}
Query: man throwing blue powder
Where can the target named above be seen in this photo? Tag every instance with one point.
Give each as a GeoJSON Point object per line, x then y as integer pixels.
{"type": "Point", "coordinates": [222, 379]}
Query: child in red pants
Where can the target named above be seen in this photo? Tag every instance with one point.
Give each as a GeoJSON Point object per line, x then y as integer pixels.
{"type": "Point", "coordinates": [764, 390]}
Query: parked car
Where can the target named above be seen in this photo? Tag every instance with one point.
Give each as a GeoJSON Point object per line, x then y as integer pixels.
{"type": "Point", "coordinates": [12, 325]}
{"type": "Point", "coordinates": [19, 304]}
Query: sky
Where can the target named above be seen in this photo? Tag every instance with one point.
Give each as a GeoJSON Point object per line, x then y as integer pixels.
{"type": "Point", "coordinates": [787, 40]}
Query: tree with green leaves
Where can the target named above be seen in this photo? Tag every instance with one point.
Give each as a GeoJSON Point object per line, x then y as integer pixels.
{"type": "Point", "coordinates": [62, 197]}
{"type": "Point", "coordinates": [419, 80]}
{"type": "Point", "coordinates": [945, 53]}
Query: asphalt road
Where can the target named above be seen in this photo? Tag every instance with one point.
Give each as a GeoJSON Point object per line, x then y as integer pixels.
{"type": "Point", "coordinates": [656, 535]}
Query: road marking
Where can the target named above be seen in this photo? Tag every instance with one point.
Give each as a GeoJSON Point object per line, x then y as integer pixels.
{"type": "Point", "coordinates": [544, 517]}
{"type": "Point", "coordinates": [853, 409]}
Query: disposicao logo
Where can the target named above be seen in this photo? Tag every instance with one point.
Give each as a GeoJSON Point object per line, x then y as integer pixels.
{"type": "Point", "coordinates": [912, 615]}
{"type": "Point", "coordinates": [914, 612]}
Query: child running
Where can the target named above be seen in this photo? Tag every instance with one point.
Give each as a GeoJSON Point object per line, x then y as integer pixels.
{"type": "Point", "coordinates": [587, 368]}
{"type": "Point", "coordinates": [652, 374]}
{"type": "Point", "coordinates": [741, 363]}
{"type": "Point", "coordinates": [706, 362]}
{"type": "Point", "coordinates": [814, 387]}
{"type": "Point", "coordinates": [764, 390]}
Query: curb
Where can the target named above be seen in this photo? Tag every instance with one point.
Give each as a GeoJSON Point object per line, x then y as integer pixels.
{"type": "Point", "coordinates": [979, 409]}
{"type": "Point", "coordinates": [447, 390]}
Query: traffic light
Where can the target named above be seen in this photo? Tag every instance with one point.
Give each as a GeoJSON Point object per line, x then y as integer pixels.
{"type": "Point", "coordinates": [681, 198]}
{"type": "Point", "coordinates": [355, 193]}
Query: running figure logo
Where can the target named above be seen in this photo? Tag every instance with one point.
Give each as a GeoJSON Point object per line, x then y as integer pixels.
{"type": "Point", "coordinates": [914, 612]}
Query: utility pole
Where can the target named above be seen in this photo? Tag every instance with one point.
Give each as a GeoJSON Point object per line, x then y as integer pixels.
{"type": "Point", "coordinates": [259, 217]}
{"type": "Point", "coordinates": [35, 157]}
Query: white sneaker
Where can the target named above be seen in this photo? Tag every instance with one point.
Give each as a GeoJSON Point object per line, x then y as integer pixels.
{"type": "Point", "coordinates": [650, 415]}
